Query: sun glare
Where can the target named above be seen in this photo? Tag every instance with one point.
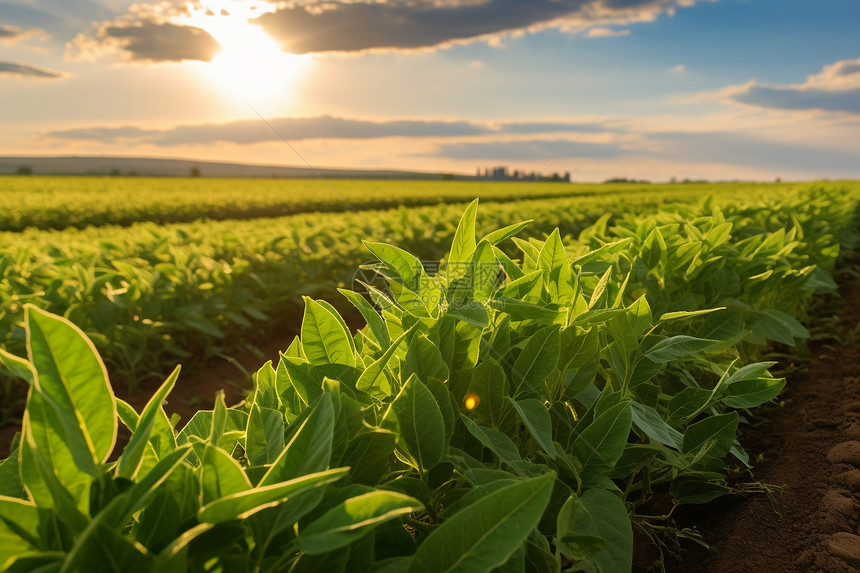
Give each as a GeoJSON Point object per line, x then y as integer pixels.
{"type": "Point", "coordinates": [250, 64]}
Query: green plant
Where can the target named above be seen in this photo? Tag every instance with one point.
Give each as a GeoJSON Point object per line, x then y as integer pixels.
{"type": "Point", "coordinates": [496, 416]}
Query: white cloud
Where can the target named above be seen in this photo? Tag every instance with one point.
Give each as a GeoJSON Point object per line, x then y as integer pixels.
{"type": "Point", "coordinates": [836, 88]}
{"type": "Point", "coordinates": [606, 33]}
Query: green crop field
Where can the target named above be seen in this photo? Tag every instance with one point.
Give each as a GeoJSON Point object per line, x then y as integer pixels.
{"type": "Point", "coordinates": [61, 202]}
{"type": "Point", "coordinates": [521, 381]}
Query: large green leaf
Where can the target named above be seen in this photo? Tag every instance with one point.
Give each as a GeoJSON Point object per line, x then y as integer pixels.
{"type": "Point", "coordinates": [602, 442]}
{"type": "Point", "coordinates": [220, 475]}
{"type": "Point", "coordinates": [553, 261]}
{"type": "Point", "coordinates": [132, 455]}
{"type": "Point", "coordinates": [19, 528]}
{"type": "Point", "coordinates": [368, 454]}
{"type": "Point", "coordinates": [494, 440]}
{"type": "Point", "coordinates": [536, 418]}
{"type": "Point", "coordinates": [310, 448]}
{"type": "Point", "coordinates": [423, 359]}
{"type": "Point", "coordinates": [374, 321]}
{"type": "Point", "coordinates": [73, 380]}
{"type": "Point", "coordinates": [721, 429]}
{"type": "Point", "coordinates": [264, 438]}
{"type": "Point", "coordinates": [463, 245]}
{"type": "Point", "coordinates": [246, 503]}
{"type": "Point", "coordinates": [752, 393]}
{"type": "Point", "coordinates": [40, 436]}
{"type": "Point", "coordinates": [536, 362]}
{"type": "Point", "coordinates": [485, 534]}
{"type": "Point", "coordinates": [649, 421]}
{"type": "Point", "coordinates": [677, 347]}
{"type": "Point", "coordinates": [324, 338]}
{"type": "Point", "coordinates": [354, 518]}
{"type": "Point", "coordinates": [488, 386]}
{"type": "Point", "coordinates": [422, 427]}
{"type": "Point", "coordinates": [598, 515]}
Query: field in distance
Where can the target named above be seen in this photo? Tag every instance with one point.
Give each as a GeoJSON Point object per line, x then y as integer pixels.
{"type": "Point", "coordinates": [62, 202]}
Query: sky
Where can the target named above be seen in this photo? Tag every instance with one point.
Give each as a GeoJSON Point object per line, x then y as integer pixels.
{"type": "Point", "coordinates": [655, 89]}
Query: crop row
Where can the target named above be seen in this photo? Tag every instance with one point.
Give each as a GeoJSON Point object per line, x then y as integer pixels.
{"type": "Point", "coordinates": [150, 295]}
{"type": "Point", "coordinates": [505, 413]}
{"type": "Point", "coordinates": [62, 202]}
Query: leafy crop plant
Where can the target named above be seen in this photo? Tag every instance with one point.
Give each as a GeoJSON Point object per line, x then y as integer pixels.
{"type": "Point", "coordinates": [498, 416]}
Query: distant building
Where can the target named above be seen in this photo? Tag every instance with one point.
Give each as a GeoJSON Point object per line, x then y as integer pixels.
{"type": "Point", "coordinates": [501, 173]}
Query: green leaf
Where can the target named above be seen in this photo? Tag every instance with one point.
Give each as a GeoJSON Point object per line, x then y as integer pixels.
{"type": "Point", "coordinates": [369, 454]}
{"type": "Point", "coordinates": [423, 359]}
{"type": "Point", "coordinates": [41, 437]}
{"type": "Point", "coordinates": [266, 387]}
{"type": "Point", "coordinates": [536, 362]}
{"type": "Point", "coordinates": [599, 514]}
{"type": "Point", "coordinates": [376, 323]}
{"type": "Point", "coordinates": [463, 245]}
{"type": "Point", "coordinates": [264, 438]}
{"type": "Point", "coordinates": [485, 534]}
{"type": "Point", "coordinates": [352, 519]}
{"type": "Point", "coordinates": [73, 380]}
{"type": "Point", "coordinates": [536, 418]}
{"type": "Point", "coordinates": [100, 547]}
{"type": "Point", "coordinates": [687, 402]}
{"type": "Point", "coordinates": [489, 383]}
{"type": "Point", "coordinates": [324, 338]}
{"type": "Point", "coordinates": [720, 428]}
{"type": "Point", "coordinates": [752, 393]}
{"type": "Point", "coordinates": [409, 269]}
{"type": "Point", "coordinates": [17, 366]}
{"type": "Point", "coordinates": [499, 235]}
{"type": "Point", "coordinates": [132, 455]}
{"type": "Point", "coordinates": [648, 420]}
{"type": "Point", "coordinates": [494, 440]}
{"type": "Point", "coordinates": [553, 261]}
{"type": "Point", "coordinates": [372, 379]}
{"type": "Point", "coordinates": [310, 448]}
{"type": "Point", "coordinates": [422, 427]}
{"type": "Point", "coordinates": [220, 475]}
{"type": "Point", "coordinates": [688, 314]}
{"type": "Point", "coordinates": [777, 326]}
{"type": "Point", "coordinates": [640, 316]}
{"type": "Point", "coordinates": [244, 504]}
{"type": "Point", "coordinates": [677, 347]}
{"type": "Point", "coordinates": [519, 310]}
{"type": "Point", "coordinates": [19, 528]}
{"type": "Point", "coordinates": [602, 442]}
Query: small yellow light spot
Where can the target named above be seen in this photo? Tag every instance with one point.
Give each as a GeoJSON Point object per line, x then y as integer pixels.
{"type": "Point", "coordinates": [472, 401]}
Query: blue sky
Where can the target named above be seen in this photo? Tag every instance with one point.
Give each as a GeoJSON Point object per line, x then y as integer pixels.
{"type": "Point", "coordinates": [720, 89]}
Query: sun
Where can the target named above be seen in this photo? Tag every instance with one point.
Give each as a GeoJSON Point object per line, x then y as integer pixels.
{"type": "Point", "coordinates": [250, 65]}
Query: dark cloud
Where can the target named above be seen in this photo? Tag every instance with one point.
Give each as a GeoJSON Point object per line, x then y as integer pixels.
{"type": "Point", "coordinates": [163, 42]}
{"type": "Point", "coordinates": [297, 128]}
{"type": "Point", "coordinates": [739, 149]}
{"type": "Point", "coordinates": [8, 32]}
{"type": "Point", "coordinates": [24, 70]}
{"type": "Point", "coordinates": [848, 69]}
{"type": "Point", "coordinates": [552, 127]}
{"type": "Point", "coordinates": [801, 98]}
{"type": "Point", "coordinates": [527, 150]}
{"type": "Point", "coordinates": [255, 131]}
{"type": "Point", "coordinates": [357, 26]}
{"type": "Point", "coordinates": [835, 88]}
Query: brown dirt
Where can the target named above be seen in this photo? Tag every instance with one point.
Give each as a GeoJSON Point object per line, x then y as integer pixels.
{"type": "Point", "coordinates": [810, 446]}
